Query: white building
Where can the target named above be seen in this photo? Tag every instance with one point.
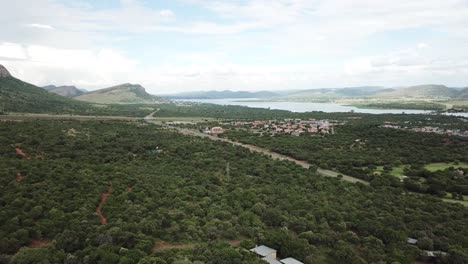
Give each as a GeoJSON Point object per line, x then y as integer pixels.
{"type": "Point", "coordinates": [290, 261]}
{"type": "Point", "coordinates": [264, 251]}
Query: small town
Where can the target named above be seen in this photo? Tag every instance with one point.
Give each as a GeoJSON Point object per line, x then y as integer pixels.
{"type": "Point", "coordinates": [294, 127]}
{"type": "Point", "coordinates": [428, 129]}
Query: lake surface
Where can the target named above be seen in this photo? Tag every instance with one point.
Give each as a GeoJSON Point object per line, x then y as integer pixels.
{"type": "Point", "coordinates": [304, 107]}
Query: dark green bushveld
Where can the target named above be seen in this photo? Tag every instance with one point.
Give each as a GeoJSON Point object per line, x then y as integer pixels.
{"type": "Point", "coordinates": [209, 193]}
{"type": "Point", "coordinates": [359, 146]}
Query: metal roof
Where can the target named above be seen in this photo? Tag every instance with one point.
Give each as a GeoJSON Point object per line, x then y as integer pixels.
{"type": "Point", "coordinates": [263, 250]}
{"type": "Point", "coordinates": [271, 260]}
{"type": "Point", "coordinates": [290, 261]}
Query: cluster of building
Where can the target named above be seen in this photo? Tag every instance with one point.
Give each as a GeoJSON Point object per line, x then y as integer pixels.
{"type": "Point", "coordinates": [294, 127]}
{"type": "Point", "coordinates": [430, 256]}
{"type": "Point", "coordinates": [269, 255]}
{"type": "Point", "coordinates": [428, 129]}
{"type": "Point", "coordinates": [213, 131]}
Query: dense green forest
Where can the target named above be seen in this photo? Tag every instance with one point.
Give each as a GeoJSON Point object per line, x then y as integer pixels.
{"type": "Point", "coordinates": [205, 193]}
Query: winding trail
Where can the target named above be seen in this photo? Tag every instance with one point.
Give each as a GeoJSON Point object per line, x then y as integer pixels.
{"type": "Point", "coordinates": [104, 196]}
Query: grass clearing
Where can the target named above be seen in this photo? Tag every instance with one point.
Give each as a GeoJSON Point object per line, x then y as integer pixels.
{"type": "Point", "coordinates": [449, 195]}
{"type": "Point", "coordinates": [399, 171]}
{"type": "Point", "coordinates": [444, 165]}
{"type": "Point", "coordinates": [464, 203]}
{"type": "Point", "coordinates": [396, 171]}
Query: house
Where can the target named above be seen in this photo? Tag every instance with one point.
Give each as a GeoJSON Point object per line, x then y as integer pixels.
{"type": "Point", "coordinates": [290, 261]}
{"type": "Point", "coordinates": [269, 255]}
{"type": "Point", "coordinates": [412, 241]}
{"type": "Point", "coordinates": [217, 130]}
{"type": "Point", "coordinates": [271, 260]}
{"type": "Point", "coordinates": [264, 251]}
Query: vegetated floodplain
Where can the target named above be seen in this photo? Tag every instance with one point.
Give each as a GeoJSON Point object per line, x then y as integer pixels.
{"type": "Point", "coordinates": [195, 191]}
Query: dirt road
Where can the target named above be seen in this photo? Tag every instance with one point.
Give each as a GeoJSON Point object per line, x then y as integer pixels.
{"type": "Point", "coordinates": [274, 155]}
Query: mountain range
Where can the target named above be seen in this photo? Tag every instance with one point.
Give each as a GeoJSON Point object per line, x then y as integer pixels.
{"type": "Point", "coordinates": [124, 94]}
{"type": "Point", "coordinates": [426, 91]}
{"type": "Point", "coordinates": [22, 97]}
{"type": "Point", "coordinates": [19, 96]}
{"type": "Point", "coordinates": [64, 90]}
{"type": "Point", "coordinates": [335, 92]}
{"type": "Point", "coordinates": [420, 91]}
{"type": "Point", "coordinates": [222, 95]}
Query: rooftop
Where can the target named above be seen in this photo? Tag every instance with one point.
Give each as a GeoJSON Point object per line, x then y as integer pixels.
{"type": "Point", "coordinates": [290, 261]}
{"type": "Point", "coordinates": [263, 250]}
{"type": "Point", "coordinates": [271, 260]}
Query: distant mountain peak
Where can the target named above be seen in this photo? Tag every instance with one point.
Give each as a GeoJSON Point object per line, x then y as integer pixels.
{"type": "Point", "coordinates": [4, 72]}
{"type": "Point", "coordinates": [213, 94]}
{"type": "Point", "coordinates": [64, 90]}
{"type": "Point", "coordinates": [122, 93]}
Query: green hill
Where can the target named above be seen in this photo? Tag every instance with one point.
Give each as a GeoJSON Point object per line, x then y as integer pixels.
{"type": "Point", "coordinates": [121, 94]}
{"type": "Point", "coordinates": [64, 90]}
{"type": "Point", "coordinates": [19, 96]}
{"type": "Point", "coordinates": [463, 94]}
{"type": "Point", "coordinates": [420, 91]}
{"type": "Point", "coordinates": [336, 92]}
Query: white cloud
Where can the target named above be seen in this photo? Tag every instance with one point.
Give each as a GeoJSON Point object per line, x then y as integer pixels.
{"type": "Point", "coordinates": [254, 44]}
{"type": "Point", "coordinates": [81, 67]}
{"type": "Point", "coordinates": [41, 26]}
{"type": "Point", "coordinates": [11, 51]}
{"type": "Point", "coordinates": [166, 13]}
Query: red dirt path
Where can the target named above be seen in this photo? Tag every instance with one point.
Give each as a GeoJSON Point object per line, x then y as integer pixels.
{"type": "Point", "coordinates": [39, 243]}
{"type": "Point", "coordinates": [104, 196]}
{"type": "Point", "coordinates": [21, 153]}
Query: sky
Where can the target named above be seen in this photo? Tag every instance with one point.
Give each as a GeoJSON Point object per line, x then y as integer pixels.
{"type": "Point", "coordinates": [190, 45]}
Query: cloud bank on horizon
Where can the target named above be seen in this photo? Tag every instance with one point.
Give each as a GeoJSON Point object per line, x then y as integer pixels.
{"type": "Point", "coordinates": [183, 45]}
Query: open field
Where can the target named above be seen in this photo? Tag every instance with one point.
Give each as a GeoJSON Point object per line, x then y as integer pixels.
{"type": "Point", "coordinates": [396, 171]}
{"type": "Point", "coordinates": [464, 203]}
{"type": "Point", "coordinates": [399, 171]}
{"type": "Point", "coordinates": [465, 197]}
{"type": "Point", "coordinates": [444, 165]}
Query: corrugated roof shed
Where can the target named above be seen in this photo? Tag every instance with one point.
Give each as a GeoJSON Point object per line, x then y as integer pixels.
{"type": "Point", "coordinates": [272, 260]}
{"type": "Point", "coordinates": [263, 250]}
{"type": "Point", "coordinates": [290, 261]}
